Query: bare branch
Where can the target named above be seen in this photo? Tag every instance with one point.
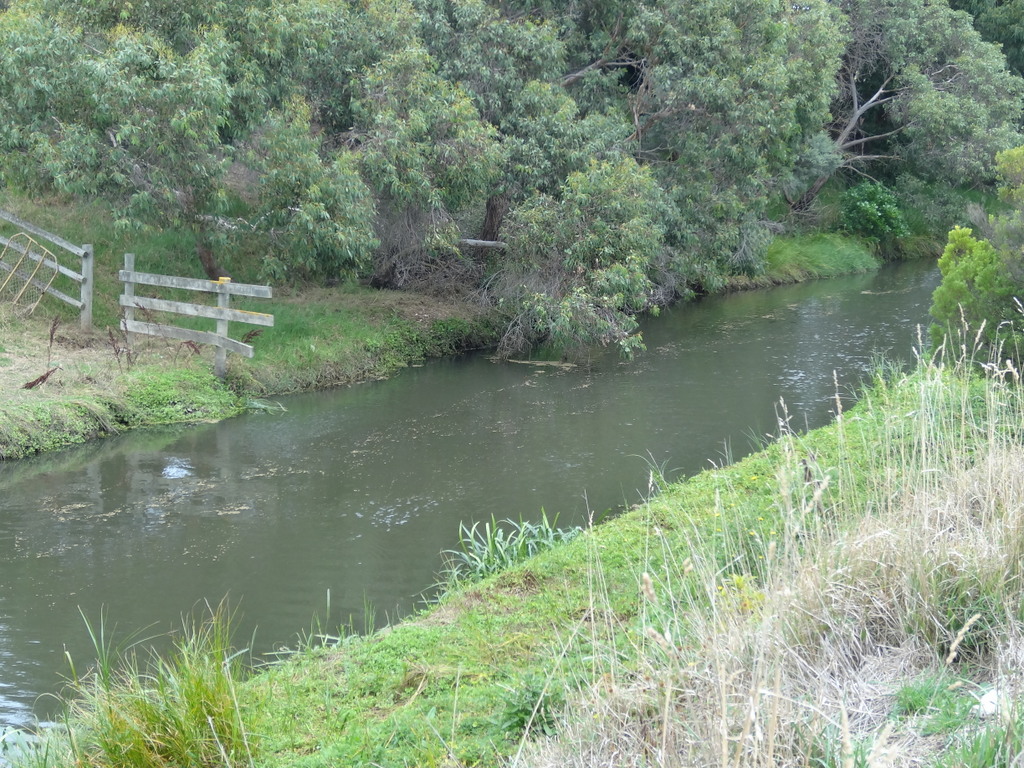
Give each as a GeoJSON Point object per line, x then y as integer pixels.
{"type": "Point", "coordinates": [866, 139]}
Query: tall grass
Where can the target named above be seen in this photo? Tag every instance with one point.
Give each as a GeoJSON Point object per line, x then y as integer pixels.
{"type": "Point", "coordinates": [897, 556]}
{"type": "Point", "coordinates": [801, 257]}
{"type": "Point", "coordinates": [172, 709]}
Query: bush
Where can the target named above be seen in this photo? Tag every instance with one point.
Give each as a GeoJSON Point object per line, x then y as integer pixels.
{"type": "Point", "coordinates": [978, 291]}
{"type": "Point", "coordinates": [872, 211]}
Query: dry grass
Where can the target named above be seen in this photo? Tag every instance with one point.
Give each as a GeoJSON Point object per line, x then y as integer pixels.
{"type": "Point", "coordinates": [85, 362]}
{"type": "Point", "coordinates": [913, 570]}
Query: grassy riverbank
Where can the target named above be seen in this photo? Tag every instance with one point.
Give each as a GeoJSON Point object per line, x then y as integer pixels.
{"type": "Point", "coordinates": [838, 597]}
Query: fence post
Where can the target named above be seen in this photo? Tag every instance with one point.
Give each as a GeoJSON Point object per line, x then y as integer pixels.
{"type": "Point", "coordinates": [220, 360]}
{"type": "Point", "coordinates": [129, 293]}
{"type": "Point", "coordinates": [86, 294]}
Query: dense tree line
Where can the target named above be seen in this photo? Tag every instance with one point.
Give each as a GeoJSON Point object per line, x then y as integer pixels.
{"type": "Point", "coordinates": [625, 154]}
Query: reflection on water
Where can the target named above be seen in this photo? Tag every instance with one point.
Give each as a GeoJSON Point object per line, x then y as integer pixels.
{"type": "Point", "coordinates": [354, 493]}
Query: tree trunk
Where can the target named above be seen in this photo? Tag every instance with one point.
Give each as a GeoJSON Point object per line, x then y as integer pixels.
{"type": "Point", "coordinates": [804, 202]}
{"type": "Point", "coordinates": [497, 207]}
{"type": "Point", "coordinates": [208, 260]}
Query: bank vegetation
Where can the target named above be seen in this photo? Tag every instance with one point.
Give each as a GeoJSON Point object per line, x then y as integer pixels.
{"type": "Point", "coordinates": [849, 596]}
{"type": "Point", "coordinates": [612, 158]}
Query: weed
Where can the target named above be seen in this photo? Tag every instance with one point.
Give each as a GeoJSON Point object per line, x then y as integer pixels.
{"type": "Point", "coordinates": [123, 352]}
{"type": "Point", "coordinates": [494, 547]}
{"type": "Point", "coordinates": [999, 744]}
{"type": "Point", "coordinates": [530, 707]}
{"type": "Point", "coordinates": [176, 709]}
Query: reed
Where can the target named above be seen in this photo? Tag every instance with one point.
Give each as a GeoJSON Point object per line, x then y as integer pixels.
{"type": "Point", "coordinates": [172, 709]}
{"type": "Point", "coordinates": [492, 547]}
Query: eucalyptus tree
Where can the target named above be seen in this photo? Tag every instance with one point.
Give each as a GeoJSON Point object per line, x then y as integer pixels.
{"type": "Point", "coordinates": [919, 89]}
{"type": "Point", "coordinates": [131, 121]}
{"type": "Point", "coordinates": [999, 21]}
{"type": "Point", "coordinates": [312, 208]}
{"type": "Point", "coordinates": [427, 154]}
{"type": "Point", "coordinates": [147, 105]}
{"type": "Point", "coordinates": [724, 97]}
{"type": "Point", "coordinates": [582, 261]}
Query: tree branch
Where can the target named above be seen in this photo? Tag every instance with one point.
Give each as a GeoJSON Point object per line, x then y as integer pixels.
{"type": "Point", "coordinates": [878, 98]}
{"type": "Point", "coordinates": [866, 139]}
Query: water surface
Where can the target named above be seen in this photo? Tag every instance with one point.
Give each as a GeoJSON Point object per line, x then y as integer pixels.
{"type": "Point", "coordinates": [350, 496]}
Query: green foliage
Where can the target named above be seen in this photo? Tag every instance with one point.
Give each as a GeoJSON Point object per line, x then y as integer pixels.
{"type": "Point", "coordinates": [999, 21]}
{"type": "Point", "coordinates": [427, 146]}
{"type": "Point", "coordinates": [589, 255]}
{"type": "Point", "coordinates": [122, 116]}
{"type": "Point", "coordinates": [918, 90]}
{"type": "Point", "coordinates": [812, 256]}
{"type": "Point", "coordinates": [177, 395]}
{"type": "Point", "coordinates": [983, 280]}
{"type": "Point", "coordinates": [976, 289]}
{"type": "Point", "coordinates": [494, 547]}
{"type": "Point", "coordinates": [731, 94]}
{"type": "Point", "coordinates": [872, 211]}
{"type": "Point", "coordinates": [179, 709]}
{"type": "Point", "coordinates": [318, 216]}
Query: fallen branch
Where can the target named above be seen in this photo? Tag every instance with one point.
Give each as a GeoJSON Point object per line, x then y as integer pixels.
{"type": "Point", "coordinates": [41, 380]}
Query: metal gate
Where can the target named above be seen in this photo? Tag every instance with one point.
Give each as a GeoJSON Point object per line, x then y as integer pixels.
{"type": "Point", "coordinates": [26, 271]}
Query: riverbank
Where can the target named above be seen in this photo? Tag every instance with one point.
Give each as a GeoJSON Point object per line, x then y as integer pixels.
{"type": "Point", "coordinates": [64, 386]}
{"type": "Point", "coordinates": [95, 386]}
{"type": "Point", "coordinates": [847, 590]}
{"type": "Point", "coordinates": [850, 591]}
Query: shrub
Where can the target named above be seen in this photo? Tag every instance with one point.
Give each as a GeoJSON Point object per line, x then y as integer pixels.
{"type": "Point", "coordinates": [977, 290]}
{"type": "Point", "coordinates": [871, 210]}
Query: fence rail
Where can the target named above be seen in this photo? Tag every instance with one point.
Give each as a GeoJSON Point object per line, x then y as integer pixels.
{"type": "Point", "coordinates": [83, 252]}
{"type": "Point", "coordinates": [222, 313]}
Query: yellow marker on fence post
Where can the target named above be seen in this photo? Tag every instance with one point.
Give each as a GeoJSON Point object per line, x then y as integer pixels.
{"type": "Point", "coordinates": [220, 361]}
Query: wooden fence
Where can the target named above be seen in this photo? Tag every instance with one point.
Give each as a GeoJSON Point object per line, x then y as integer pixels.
{"type": "Point", "coordinates": [23, 245]}
{"type": "Point", "coordinates": [222, 313]}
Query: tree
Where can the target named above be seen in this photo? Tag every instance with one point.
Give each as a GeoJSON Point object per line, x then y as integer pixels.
{"type": "Point", "coordinates": [581, 263]}
{"type": "Point", "coordinates": [1002, 22]}
{"type": "Point", "coordinates": [427, 154]}
{"type": "Point", "coordinates": [132, 121]}
{"type": "Point", "coordinates": [919, 87]}
{"type": "Point", "coordinates": [509, 64]}
{"type": "Point", "coordinates": [983, 279]}
{"type": "Point", "coordinates": [720, 97]}
{"type": "Point", "coordinates": [318, 216]}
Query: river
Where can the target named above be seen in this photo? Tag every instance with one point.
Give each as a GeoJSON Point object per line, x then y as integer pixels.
{"type": "Point", "coordinates": [347, 499]}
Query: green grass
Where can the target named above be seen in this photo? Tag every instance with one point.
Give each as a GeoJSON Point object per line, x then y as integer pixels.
{"type": "Point", "coordinates": [179, 708]}
{"type": "Point", "coordinates": [799, 257]}
{"type": "Point", "coordinates": [732, 620]}
{"type": "Point", "coordinates": [939, 701]}
{"type": "Point", "coordinates": [815, 256]}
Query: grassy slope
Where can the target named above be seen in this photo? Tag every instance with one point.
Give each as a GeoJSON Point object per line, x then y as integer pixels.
{"type": "Point", "coordinates": [437, 689]}
{"type": "Point", "coordinates": [457, 684]}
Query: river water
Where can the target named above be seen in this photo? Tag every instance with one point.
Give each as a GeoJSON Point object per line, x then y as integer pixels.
{"type": "Point", "coordinates": [348, 498]}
